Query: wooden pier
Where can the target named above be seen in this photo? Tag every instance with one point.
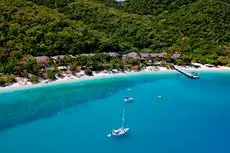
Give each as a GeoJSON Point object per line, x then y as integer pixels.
{"type": "Point", "coordinates": [188, 74]}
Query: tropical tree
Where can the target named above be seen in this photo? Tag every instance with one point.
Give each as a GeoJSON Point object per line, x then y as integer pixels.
{"type": "Point", "coordinates": [88, 71]}
{"type": "Point", "coordinates": [50, 74]}
{"type": "Point", "coordinates": [33, 78]}
{"type": "Point", "coordinates": [7, 79]}
{"type": "Point", "coordinates": [74, 67]}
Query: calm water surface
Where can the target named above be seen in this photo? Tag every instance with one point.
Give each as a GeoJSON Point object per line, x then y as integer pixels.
{"type": "Point", "coordinates": [192, 117]}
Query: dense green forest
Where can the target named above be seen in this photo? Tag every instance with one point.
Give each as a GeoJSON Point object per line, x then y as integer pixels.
{"type": "Point", "coordinates": [198, 29]}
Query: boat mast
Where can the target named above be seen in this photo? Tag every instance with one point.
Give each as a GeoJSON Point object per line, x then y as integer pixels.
{"type": "Point", "coordinates": [123, 118]}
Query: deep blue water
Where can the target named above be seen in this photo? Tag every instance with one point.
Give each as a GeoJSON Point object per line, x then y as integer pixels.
{"type": "Point", "coordinates": [192, 117]}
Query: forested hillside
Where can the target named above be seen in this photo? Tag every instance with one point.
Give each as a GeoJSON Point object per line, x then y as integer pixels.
{"type": "Point", "coordinates": [198, 29]}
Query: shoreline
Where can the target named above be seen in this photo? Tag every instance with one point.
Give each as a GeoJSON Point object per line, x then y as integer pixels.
{"type": "Point", "coordinates": [103, 74]}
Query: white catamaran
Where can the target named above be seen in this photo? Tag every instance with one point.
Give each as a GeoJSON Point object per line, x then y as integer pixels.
{"type": "Point", "coordinates": [122, 130]}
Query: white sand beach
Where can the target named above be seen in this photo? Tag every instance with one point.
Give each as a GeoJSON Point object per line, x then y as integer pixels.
{"type": "Point", "coordinates": [24, 83]}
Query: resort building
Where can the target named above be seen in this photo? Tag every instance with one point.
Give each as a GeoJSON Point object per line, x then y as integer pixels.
{"type": "Point", "coordinates": [175, 56]}
{"type": "Point", "coordinates": [86, 54]}
{"type": "Point", "coordinates": [55, 58]}
{"type": "Point", "coordinates": [158, 55]}
{"type": "Point", "coordinates": [144, 56]}
{"type": "Point", "coordinates": [43, 61]}
{"type": "Point", "coordinates": [113, 54]}
{"type": "Point", "coordinates": [132, 55]}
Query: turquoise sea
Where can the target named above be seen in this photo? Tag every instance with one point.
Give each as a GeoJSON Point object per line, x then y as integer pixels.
{"type": "Point", "coordinates": [192, 117]}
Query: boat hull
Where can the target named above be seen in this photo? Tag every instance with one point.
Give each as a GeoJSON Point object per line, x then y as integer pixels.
{"type": "Point", "coordinates": [120, 132]}
{"type": "Point", "coordinates": [128, 100]}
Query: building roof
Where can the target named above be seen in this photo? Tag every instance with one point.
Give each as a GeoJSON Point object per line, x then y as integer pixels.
{"type": "Point", "coordinates": [119, 1]}
{"type": "Point", "coordinates": [87, 54]}
{"type": "Point", "coordinates": [42, 60]}
{"type": "Point", "coordinates": [58, 56]}
{"type": "Point", "coordinates": [113, 54]}
{"type": "Point", "coordinates": [62, 67]}
{"type": "Point", "coordinates": [175, 56]}
{"type": "Point", "coordinates": [158, 54]}
{"type": "Point", "coordinates": [144, 55]}
{"type": "Point", "coordinates": [61, 57]}
{"type": "Point", "coordinates": [73, 56]}
{"type": "Point", "coordinates": [132, 55]}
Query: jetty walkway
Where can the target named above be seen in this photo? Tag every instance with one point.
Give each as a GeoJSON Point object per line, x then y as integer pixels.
{"type": "Point", "coordinates": [188, 74]}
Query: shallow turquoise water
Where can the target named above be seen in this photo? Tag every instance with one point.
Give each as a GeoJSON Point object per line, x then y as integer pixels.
{"type": "Point", "coordinates": [193, 116]}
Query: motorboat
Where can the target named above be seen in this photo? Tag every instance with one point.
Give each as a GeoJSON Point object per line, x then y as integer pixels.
{"type": "Point", "coordinates": [128, 99]}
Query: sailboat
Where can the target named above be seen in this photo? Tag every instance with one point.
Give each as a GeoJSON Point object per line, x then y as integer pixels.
{"type": "Point", "coordinates": [122, 130]}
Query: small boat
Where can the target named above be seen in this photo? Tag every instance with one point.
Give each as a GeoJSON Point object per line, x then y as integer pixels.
{"type": "Point", "coordinates": [128, 99]}
{"type": "Point", "coordinates": [122, 130]}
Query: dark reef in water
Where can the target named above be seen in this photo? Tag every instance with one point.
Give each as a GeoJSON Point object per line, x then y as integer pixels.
{"type": "Point", "coordinates": [25, 106]}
